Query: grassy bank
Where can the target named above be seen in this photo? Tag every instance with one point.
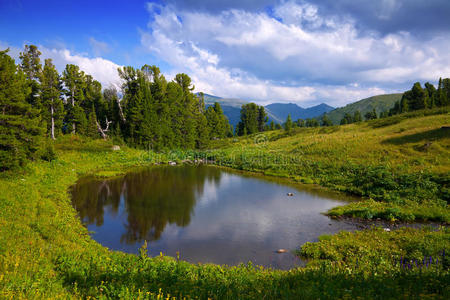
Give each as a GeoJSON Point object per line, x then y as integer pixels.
{"type": "Point", "coordinates": [45, 252]}
{"type": "Point", "coordinates": [399, 165]}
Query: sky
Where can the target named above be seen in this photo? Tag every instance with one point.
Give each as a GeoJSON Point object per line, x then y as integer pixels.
{"type": "Point", "coordinates": [304, 52]}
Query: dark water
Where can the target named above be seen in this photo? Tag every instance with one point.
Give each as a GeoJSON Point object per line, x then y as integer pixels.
{"type": "Point", "coordinates": [206, 213]}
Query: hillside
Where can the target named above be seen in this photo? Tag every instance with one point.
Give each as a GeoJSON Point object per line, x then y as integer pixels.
{"type": "Point", "coordinates": [276, 112]}
{"type": "Point", "coordinates": [367, 159]}
{"type": "Point", "coordinates": [380, 103]}
{"type": "Point", "coordinates": [282, 110]}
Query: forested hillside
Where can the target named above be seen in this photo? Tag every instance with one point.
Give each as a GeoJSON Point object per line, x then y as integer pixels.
{"type": "Point", "coordinates": [380, 103]}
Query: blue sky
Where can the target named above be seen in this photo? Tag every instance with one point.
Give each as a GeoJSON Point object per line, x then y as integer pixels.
{"type": "Point", "coordinates": [333, 51]}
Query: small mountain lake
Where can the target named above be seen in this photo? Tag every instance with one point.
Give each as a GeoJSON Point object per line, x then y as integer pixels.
{"type": "Point", "coordinates": [207, 214]}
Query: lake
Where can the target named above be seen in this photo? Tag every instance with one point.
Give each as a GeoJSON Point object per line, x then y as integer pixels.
{"type": "Point", "coordinates": [207, 214]}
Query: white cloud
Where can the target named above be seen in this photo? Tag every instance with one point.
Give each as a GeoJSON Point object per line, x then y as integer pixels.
{"type": "Point", "coordinates": [298, 55]}
{"type": "Point", "coordinates": [103, 70]}
{"type": "Point", "coordinates": [98, 47]}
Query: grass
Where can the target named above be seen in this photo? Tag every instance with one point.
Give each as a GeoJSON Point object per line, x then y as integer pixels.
{"type": "Point", "coordinates": [401, 162]}
{"type": "Point", "coordinates": [45, 251]}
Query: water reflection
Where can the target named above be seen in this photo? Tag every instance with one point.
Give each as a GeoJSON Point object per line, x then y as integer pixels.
{"type": "Point", "coordinates": [153, 198]}
{"type": "Point", "coordinates": [205, 213]}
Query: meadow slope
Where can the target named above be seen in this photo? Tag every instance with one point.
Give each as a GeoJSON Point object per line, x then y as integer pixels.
{"type": "Point", "coordinates": [399, 165]}
{"type": "Point", "coordinates": [45, 251]}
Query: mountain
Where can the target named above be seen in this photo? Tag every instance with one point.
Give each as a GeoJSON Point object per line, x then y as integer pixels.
{"type": "Point", "coordinates": [281, 110]}
{"type": "Point", "coordinates": [380, 103]}
{"type": "Point", "coordinates": [231, 107]}
{"type": "Point", "coordinates": [277, 112]}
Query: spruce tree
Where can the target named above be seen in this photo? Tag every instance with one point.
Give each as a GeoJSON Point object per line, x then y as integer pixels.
{"type": "Point", "coordinates": [31, 66]}
{"type": "Point", "coordinates": [419, 97]}
{"type": "Point", "coordinates": [288, 124]}
{"type": "Point", "coordinates": [74, 82]}
{"type": "Point", "coordinates": [52, 104]}
{"type": "Point", "coordinates": [357, 116]}
{"type": "Point", "coordinates": [20, 125]}
{"type": "Point", "coordinates": [326, 121]}
{"type": "Point", "coordinates": [91, 128]}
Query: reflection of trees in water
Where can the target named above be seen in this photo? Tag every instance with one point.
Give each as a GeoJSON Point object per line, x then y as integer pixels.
{"type": "Point", "coordinates": [90, 197]}
{"type": "Point", "coordinates": [153, 198]}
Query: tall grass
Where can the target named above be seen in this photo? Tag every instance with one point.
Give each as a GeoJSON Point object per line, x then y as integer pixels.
{"type": "Point", "coordinates": [45, 252]}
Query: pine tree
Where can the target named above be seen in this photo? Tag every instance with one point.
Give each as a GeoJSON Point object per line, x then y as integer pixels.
{"type": "Point", "coordinates": [371, 115]}
{"type": "Point", "coordinates": [357, 116]}
{"type": "Point", "coordinates": [31, 66]}
{"type": "Point", "coordinates": [262, 118]}
{"type": "Point", "coordinates": [326, 121]}
{"type": "Point", "coordinates": [91, 129]}
{"type": "Point", "coordinates": [347, 119]}
{"type": "Point", "coordinates": [419, 97]}
{"type": "Point", "coordinates": [74, 81]}
{"type": "Point", "coordinates": [52, 104]}
{"type": "Point", "coordinates": [251, 116]}
{"type": "Point", "coordinates": [301, 123]}
{"type": "Point", "coordinates": [288, 124]}
{"type": "Point", "coordinates": [20, 125]}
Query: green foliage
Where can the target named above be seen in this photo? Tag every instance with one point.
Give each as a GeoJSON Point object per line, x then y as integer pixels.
{"type": "Point", "coordinates": [383, 251]}
{"type": "Point", "coordinates": [325, 121]}
{"type": "Point", "coordinates": [20, 125]}
{"type": "Point", "coordinates": [253, 119]}
{"type": "Point", "coordinates": [48, 152]}
{"type": "Point", "coordinates": [288, 124]}
{"type": "Point", "coordinates": [404, 173]}
{"type": "Point", "coordinates": [52, 104]}
{"type": "Point", "coordinates": [380, 103]}
{"type": "Point", "coordinates": [418, 98]}
{"type": "Point", "coordinates": [45, 251]}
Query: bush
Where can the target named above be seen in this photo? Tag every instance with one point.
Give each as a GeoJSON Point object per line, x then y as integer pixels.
{"type": "Point", "coordinates": [48, 152]}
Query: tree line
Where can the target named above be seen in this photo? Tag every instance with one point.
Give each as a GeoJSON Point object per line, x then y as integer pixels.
{"type": "Point", "coordinates": [37, 103]}
{"type": "Point", "coordinates": [421, 98]}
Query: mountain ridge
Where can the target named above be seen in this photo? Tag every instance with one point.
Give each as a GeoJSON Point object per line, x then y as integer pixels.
{"type": "Point", "coordinates": [276, 112]}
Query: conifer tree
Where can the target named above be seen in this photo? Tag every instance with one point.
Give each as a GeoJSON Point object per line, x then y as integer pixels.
{"type": "Point", "coordinates": [357, 116]}
{"type": "Point", "coordinates": [288, 124]}
{"type": "Point", "coordinates": [20, 124]}
{"type": "Point", "coordinates": [31, 66]}
{"type": "Point", "coordinates": [91, 129]}
{"type": "Point", "coordinates": [74, 82]}
{"type": "Point", "coordinates": [326, 121]}
{"type": "Point", "coordinates": [418, 98]}
{"type": "Point", "coordinates": [52, 104]}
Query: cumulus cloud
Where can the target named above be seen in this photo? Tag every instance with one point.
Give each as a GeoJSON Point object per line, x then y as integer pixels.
{"type": "Point", "coordinates": [292, 53]}
{"type": "Point", "coordinates": [103, 70]}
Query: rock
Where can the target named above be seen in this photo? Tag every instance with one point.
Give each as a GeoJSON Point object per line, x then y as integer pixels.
{"type": "Point", "coordinates": [290, 194]}
{"type": "Point", "coordinates": [115, 148]}
{"type": "Point", "coordinates": [172, 163]}
{"type": "Point", "coordinates": [387, 229]}
{"type": "Point", "coordinates": [281, 251]}
{"type": "Point", "coordinates": [186, 161]}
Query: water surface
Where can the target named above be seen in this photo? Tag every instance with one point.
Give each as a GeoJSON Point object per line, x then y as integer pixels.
{"type": "Point", "coordinates": [208, 214]}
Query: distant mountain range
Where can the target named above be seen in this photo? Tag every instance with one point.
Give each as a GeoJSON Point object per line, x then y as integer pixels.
{"type": "Point", "coordinates": [380, 103]}
{"type": "Point", "coordinates": [277, 112]}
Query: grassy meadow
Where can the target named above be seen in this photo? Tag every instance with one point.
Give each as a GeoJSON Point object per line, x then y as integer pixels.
{"type": "Point", "coordinates": [399, 165]}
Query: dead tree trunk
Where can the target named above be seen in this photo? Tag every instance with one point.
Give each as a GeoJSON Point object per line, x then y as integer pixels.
{"type": "Point", "coordinates": [53, 122]}
{"type": "Point", "coordinates": [103, 131]}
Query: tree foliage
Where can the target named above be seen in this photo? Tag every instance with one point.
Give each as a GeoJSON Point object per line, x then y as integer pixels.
{"type": "Point", "coordinates": [20, 125]}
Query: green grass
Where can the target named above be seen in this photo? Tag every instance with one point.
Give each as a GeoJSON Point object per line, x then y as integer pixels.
{"type": "Point", "coordinates": [402, 162]}
{"type": "Point", "coordinates": [45, 251]}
